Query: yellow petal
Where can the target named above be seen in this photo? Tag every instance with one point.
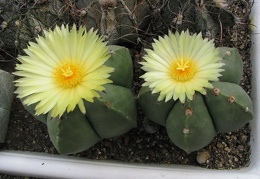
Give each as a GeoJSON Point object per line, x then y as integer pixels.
{"type": "Point", "coordinates": [180, 64]}
{"type": "Point", "coordinates": [62, 69]}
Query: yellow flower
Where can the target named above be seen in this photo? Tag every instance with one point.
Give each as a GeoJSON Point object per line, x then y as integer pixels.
{"type": "Point", "coordinates": [181, 64]}
{"type": "Point", "coordinates": [62, 69]}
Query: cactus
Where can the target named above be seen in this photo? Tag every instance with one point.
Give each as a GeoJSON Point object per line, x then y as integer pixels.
{"type": "Point", "coordinates": [192, 125]}
{"type": "Point", "coordinates": [122, 67]}
{"type": "Point", "coordinates": [118, 21]}
{"type": "Point", "coordinates": [6, 98]}
{"type": "Point", "coordinates": [156, 110]}
{"type": "Point", "coordinates": [208, 17]}
{"type": "Point", "coordinates": [26, 19]}
{"type": "Point", "coordinates": [229, 106]}
{"type": "Point", "coordinates": [71, 133]}
{"type": "Point", "coordinates": [113, 114]}
{"type": "Point", "coordinates": [233, 70]}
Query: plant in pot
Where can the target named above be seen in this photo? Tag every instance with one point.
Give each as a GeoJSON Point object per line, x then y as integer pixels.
{"type": "Point", "coordinates": [185, 91]}
{"type": "Point", "coordinates": [65, 84]}
{"type": "Point", "coordinates": [114, 33]}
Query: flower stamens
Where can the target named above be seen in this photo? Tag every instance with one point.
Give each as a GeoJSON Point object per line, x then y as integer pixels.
{"type": "Point", "coordinates": [182, 70]}
{"type": "Point", "coordinates": [68, 75]}
{"type": "Point", "coordinates": [182, 66]}
{"type": "Point", "coordinates": [67, 72]}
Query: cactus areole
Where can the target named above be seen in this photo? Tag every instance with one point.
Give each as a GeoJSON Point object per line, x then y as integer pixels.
{"type": "Point", "coordinates": [78, 86]}
{"type": "Point", "coordinates": [200, 87]}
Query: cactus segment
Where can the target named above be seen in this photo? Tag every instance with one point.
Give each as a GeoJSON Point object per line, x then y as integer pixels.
{"type": "Point", "coordinates": [155, 110]}
{"type": "Point", "coordinates": [6, 99]}
{"type": "Point", "coordinates": [121, 61]}
{"type": "Point", "coordinates": [198, 16]}
{"type": "Point", "coordinates": [71, 133]}
{"type": "Point", "coordinates": [114, 113]}
{"type": "Point", "coordinates": [233, 68]}
{"type": "Point", "coordinates": [220, 14]}
{"type": "Point", "coordinates": [189, 125]}
{"type": "Point", "coordinates": [229, 105]}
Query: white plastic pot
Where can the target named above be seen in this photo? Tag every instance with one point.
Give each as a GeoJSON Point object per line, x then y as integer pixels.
{"type": "Point", "coordinates": [56, 166]}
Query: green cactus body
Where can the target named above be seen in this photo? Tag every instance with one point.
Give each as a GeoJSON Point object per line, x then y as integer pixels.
{"type": "Point", "coordinates": [189, 126]}
{"type": "Point", "coordinates": [192, 125]}
{"type": "Point", "coordinates": [155, 110]}
{"type": "Point", "coordinates": [121, 61]}
{"type": "Point", "coordinates": [233, 68]}
{"type": "Point", "coordinates": [6, 98]}
{"type": "Point", "coordinates": [113, 114]}
{"type": "Point", "coordinates": [71, 133]}
{"type": "Point", "coordinates": [117, 20]}
{"type": "Point", "coordinates": [200, 16]}
{"type": "Point", "coordinates": [229, 106]}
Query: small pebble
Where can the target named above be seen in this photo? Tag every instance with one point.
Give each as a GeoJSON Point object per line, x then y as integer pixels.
{"type": "Point", "coordinates": [219, 145]}
{"type": "Point", "coordinates": [203, 156]}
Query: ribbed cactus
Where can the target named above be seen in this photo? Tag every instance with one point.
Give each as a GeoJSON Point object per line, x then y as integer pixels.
{"type": "Point", "coordinates": [207, 16]}
{"type": "Point", "coordinates": [6, 98]}
{"type": "Point", "coordinates": [229, 106]}
{"type": "Point", "coordinates": [72, 132]}
{"type": "Point", "coordinates": [233, 70]}
{"type": "Point", "coordinates": [113, 114]}
{"type": "Point", "coordinates": [118, 21]}
{"type": "Point", "coordinates": [192, 125]}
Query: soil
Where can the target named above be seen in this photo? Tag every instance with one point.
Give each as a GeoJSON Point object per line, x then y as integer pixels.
{"type": "Point", "coordinates": [148, 143]}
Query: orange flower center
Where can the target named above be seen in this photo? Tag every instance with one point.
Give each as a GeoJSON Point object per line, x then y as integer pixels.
{"type": "Point", "coordinates": [68, 75]}
{"type": "Point", "coordinates": [182, 70]}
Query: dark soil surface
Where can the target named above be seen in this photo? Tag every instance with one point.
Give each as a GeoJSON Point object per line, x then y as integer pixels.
{"type": "Point", "coordinates": [148, 143]}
